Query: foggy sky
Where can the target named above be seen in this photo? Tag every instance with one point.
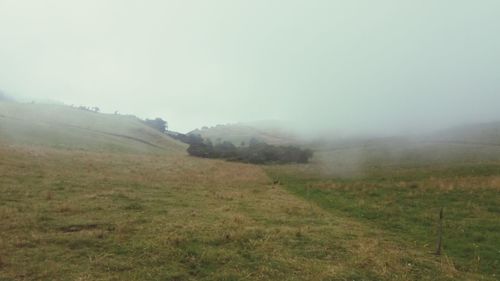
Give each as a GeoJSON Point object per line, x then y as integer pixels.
{"type": "Point", "coordinates": [330, 65]}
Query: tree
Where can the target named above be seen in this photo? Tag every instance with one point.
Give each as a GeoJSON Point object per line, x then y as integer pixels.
{"type": "Point", "coordinates": [199, 147]}
{"type": "Point", "coordinates": [157, 124]}
{"type": "Point", "coordinates": [225, 150]}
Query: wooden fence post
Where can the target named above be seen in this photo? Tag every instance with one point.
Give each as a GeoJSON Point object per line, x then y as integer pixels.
{"type": "Point", "coordinates": [440, 233]}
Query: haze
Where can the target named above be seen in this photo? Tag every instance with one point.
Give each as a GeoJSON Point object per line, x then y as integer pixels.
{"type": "Point", "coordinates": [386, 66]}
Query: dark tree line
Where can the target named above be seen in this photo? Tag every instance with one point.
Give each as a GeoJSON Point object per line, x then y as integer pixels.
{"type": "Point", "coordinates": [256, 152]}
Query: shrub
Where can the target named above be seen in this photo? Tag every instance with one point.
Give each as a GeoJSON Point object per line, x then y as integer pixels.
{"type": "Point", "coordinates": [256, 152]}
{"type": "Point", "coordinates": [157, 124]}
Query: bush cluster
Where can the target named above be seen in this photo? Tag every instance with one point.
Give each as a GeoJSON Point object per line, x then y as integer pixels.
{"type": "Point", "coordinates": [256, 152]}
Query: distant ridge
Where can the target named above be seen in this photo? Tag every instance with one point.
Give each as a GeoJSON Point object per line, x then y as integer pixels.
{"type": "Point", "coordinates": [459, 146]}
{"type": "Point", "coordinates": [243, 132]}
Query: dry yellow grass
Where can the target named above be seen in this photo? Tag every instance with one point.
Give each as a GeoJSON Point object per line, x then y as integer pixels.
{"type": "Point", "coordinates": [75, 215]}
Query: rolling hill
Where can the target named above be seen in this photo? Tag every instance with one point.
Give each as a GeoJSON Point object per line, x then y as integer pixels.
{"type": "Point", "coordinates": [269, 132]}
{"type": "Point", "coordinates": [62, 126]}
{"type": "Point", "coordinates": [460, 146]}
{"type": "Point", "coordinates": [88, 196]}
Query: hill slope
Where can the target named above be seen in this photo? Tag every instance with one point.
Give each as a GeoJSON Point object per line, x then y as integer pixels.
{"type": "Point", "coordinates": [66, 127]}
{"type": "Point", "coordinates": [244, 132]}
{"type": "Point", "coordinates": [89, 196]}
{"type": "Point", "coordinates": [466, 145]}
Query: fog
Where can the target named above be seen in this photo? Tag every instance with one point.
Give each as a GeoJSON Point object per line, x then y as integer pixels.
{"type": "Point", "coordinates": [341, 66]}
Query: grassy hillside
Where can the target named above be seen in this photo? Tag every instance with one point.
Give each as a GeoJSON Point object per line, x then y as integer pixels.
{"type": "Point", "coordinates": [65, 127]}
{"type": "Point", "coordinates": [480, 134]}
{"type": "Point", "coordinates": [461, 146]}
{"type": "Point", "coordinates": [88, 196]}
{"type": "Point", "coordinates": [400, 184]}
{"type": "Point", "coordinates": [244, 132]}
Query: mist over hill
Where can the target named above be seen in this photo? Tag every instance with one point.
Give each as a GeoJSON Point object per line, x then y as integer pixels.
{"type": "Point", "coordinates": [270, 132]}
{"type": "Point", "coordinates": [4, 97]}
{"type": "Point", "coordinates": [250, 140]}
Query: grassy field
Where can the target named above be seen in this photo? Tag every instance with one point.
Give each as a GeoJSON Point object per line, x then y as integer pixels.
{"type": "Point", "coordinates": [405, 204]}
{"type": "Point", "coordinates": [114, 200]}
{"type": "Point", "coordinates": [76, 215]}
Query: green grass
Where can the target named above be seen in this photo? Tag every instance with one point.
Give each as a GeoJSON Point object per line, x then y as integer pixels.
{"type": "Point", "coordinates": [406, 204]}
{"type": "Point", "coordinates": [79, 215]}
{"type": "Point", "coordinates": [86, 196]}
